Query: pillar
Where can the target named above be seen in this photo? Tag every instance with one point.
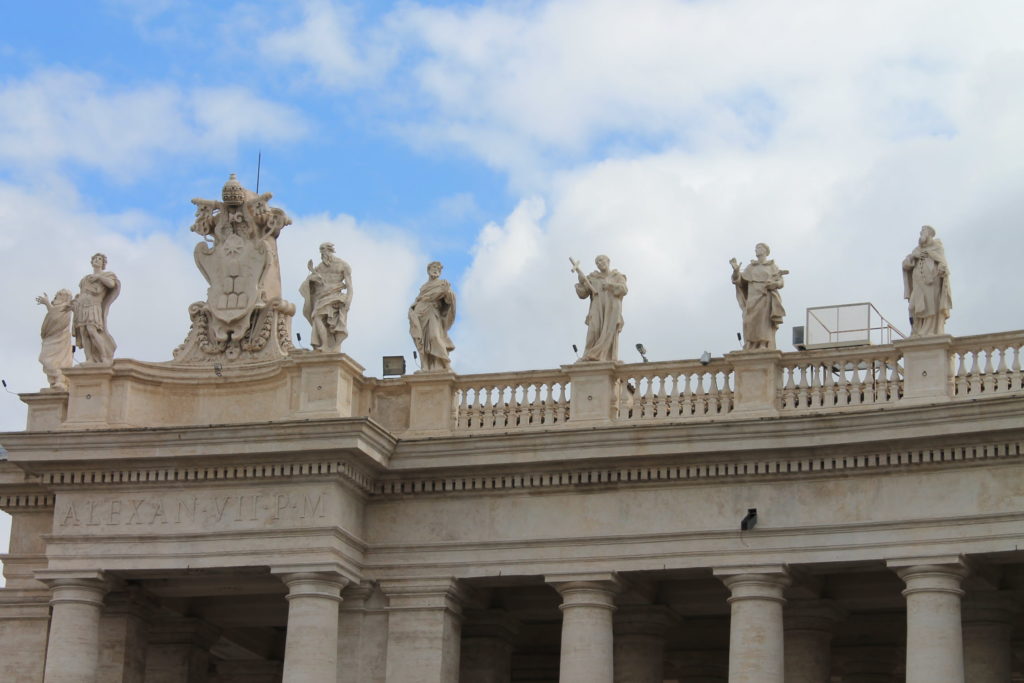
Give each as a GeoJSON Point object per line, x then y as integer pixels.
{"type": "Point", "coordinates": [868, 664]}
{"type": "Point", "coordinates": [639, 632]}
{"type": "Point", "coordinates": [935, 649]}
{"type": "Point", "coordinates": [987, 629]}
{"type": "Point", "coordinates": [424, 630]}
{"type": "Point", "coordinates": [178, 650]}
{"type": "Point", "coordinates": [362, 635]}
{"type": "Point", "coordinates": [487, 646]}
{"type": "Point", "coordinates": [311, 645]}
{"type": "Point", "coordinates": [691, 666]}
{"type": "Point", "coordinates": [122, 657]}
{"type": "Point", "coordinates": [756, 646]}
{"type": "Point", "coordinates": [72, 652]}
{"type": "Point", "coordinates": [809, 626]}
{"type": "Point", "coordinates": [587, 652]}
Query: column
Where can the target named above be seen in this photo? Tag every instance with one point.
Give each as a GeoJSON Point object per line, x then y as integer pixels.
{"type": "Point", "coordinates": [72, 652]}
{"type": "Point", "coordinates": [756, 646]}
{"type": "Point", "coordinates": [122, 657]}
{"type": "Point", "coordinates": [987, 629]}
{"type": "Point", "coordinates": [935, 648]}
{"type": "Point", "coordinates": [868, 664]}
{"type": "Point", "coordinates": [640, 643]}
{"type": "Point", "coordinates": [587, 653]}
{"type": "Point", "coordinates": [424, 630]}
{"type": "Point", "coordinates": [702, 666]}
{"type": "Point", "coordinates": [487, 646]}
{"type": "Point", "coordinates": [362, 635]}
{"type": "Point", "coordinates": [311, 645]}
{"type": "Point", "coordinates": [178, 650]}
{"type": "Point", "coordinates": [809, 626]}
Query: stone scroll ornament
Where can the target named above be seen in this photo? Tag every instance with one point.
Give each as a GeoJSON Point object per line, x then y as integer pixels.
{"type": "Point", "coordinates": [605, 288]}
{"type": "Point", "coordinates": [244, 318]}
{"type": "Point", "coordinates": [757, 292]}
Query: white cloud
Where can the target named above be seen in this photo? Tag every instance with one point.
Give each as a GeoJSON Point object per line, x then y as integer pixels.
{"type": "Point", "coordinates": [326, 40]}
{"type": "Point", "coordinates": [56, 116]}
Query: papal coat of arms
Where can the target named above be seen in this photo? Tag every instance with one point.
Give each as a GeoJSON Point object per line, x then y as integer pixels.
{"type": "Point", "coordinates": [244, 316]}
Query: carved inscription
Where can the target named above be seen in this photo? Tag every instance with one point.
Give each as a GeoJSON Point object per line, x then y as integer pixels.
{"type": "Point", "coordinates": [265, 509]}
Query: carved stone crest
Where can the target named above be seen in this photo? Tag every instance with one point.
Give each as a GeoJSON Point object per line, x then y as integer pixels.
{"type": "Point", "coordinates": [244, 316]}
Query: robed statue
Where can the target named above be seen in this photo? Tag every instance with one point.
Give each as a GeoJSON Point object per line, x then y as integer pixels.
{"type": "Point", "coordinates": [90, 307]}
{"type": "Point", "coordinates": [926, 285]}
{"type": "Point", "coordinates": [757, 292]}
{"type": "Point", "coordinates": [430, 317]}
{"type": "Point", "coordinates": [55, 332]}
{"type": "Point", "coordinates": [327, 293]}
{"type": "Point", "coordinates": [605, 288]}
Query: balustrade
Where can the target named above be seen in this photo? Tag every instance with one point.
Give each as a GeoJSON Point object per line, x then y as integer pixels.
{"type": "Point", "coordinates": [513, 400]}
{"type": "Point", "coordinates": [987, 364]}
{"type": "Point", "coordinates": [840, 378]}
{"type": "Point", "coordinates": [673, 390]}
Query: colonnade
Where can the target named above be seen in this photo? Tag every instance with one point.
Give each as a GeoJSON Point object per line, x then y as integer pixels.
{"type": "Point", "coordinates": [769, 641]}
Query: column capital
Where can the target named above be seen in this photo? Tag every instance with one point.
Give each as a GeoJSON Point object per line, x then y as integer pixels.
{"type": "Point", "coordinates": [812, 615]}
{"type": "Point", "coordinates": [326, 585]}
{"type": "Point", "coordinates": [931, 575]}
{"type": "Point", "coordinates": [88, 587]}
{"type": "Point", "coordinates": [593, 590]}
{"type": "Point", "coordinates": [756, 582]}
{"type": "Point", "coordinates": [425, 593]}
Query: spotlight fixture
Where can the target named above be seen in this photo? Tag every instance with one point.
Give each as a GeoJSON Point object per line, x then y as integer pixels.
{"type": "Point", "coordinates": [705, 358]}
{"type": "Point", "coordinates": [217, 368]}
{"type": "Point", "coordinates": [642, 350]}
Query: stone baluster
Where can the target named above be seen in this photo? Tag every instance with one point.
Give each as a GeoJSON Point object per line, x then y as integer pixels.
{"type": "Point", "coordinates": [756, 646]}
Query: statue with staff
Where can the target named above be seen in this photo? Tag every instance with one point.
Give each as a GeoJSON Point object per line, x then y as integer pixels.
{"type": "Point", "coordinates": [605, 288]}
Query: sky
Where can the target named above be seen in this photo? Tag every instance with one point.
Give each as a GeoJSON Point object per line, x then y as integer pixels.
{"type": "Point", "coordinates": [503, 138]}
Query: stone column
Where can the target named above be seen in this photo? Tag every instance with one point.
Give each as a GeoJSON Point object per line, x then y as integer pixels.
{"type": "Point", "coordinates": [935, 648]}
{"type": "Point", "coordinates": [588, 641]}
{"type": "Point", "coordinates": [755, 628]}
{"type": "Point", "coordinates": [640, 643]}
{"type": "Point", "coordinates": [72, 652]}
{"type": "Point", "coordinates": [868, 664]}
{"type": "Point", "coordinates": [362, 635]}
{"type": "Point", "coordinates": [122, 657]}
{"type": "Point", "coordinates": [987, 630]}
{"type": "Point", "coordinates": [311, 646]}
{"type": "Point", "coordinates": [487, 646]}
{"type": "Point", "coordinates": [178, 650]}
{"type": "Point", "coordinates": [689, 666]}
{"type": "Point", "coordinates": [424, 630]}
{"type": "Point", "coordinates": [809, 626]}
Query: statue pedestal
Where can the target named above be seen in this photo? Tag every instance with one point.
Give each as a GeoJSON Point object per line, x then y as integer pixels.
{"type": "Point", "coordinates": [756, 376]}
{"type": "Point", "coordinates": [327, 384]}
{"type": "Point", "coordinates": [46, 409]}
{"type": "Point", "coordinates": [431, 402]}
{"type": "Point", "coordinates": [594, 391]}
{"type": "Point", "coordinates": [927, 368]}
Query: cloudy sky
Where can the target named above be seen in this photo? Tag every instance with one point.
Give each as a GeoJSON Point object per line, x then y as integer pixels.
{"type": "Point", "coordinates": [502, 138]}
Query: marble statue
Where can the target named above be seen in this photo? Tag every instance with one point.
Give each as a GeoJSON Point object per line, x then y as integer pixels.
{"type": "Point", "coordinates": [327, 292]}
{"type": "Point", "coordinates": [56, 353]}
{"type": "Point", "coordinates": [926, 285]}
{"type": "Point", "coordinates": [244, 317]}
{"type": "Point", "coordinates": [430, 317]}
{"type": "Point", "coordinates": [90, 307]}
{"type": "Point", "coordinates": [605, 289]}
{"type": "Point", "coordinates": [757, 291]}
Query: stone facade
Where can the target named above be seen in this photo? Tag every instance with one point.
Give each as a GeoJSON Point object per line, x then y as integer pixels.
{"type": "Point", "coordinates": [294, 520]}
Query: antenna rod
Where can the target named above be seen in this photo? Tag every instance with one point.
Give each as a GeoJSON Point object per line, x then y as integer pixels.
{"type": "Point", "coordinates": [259, 162]}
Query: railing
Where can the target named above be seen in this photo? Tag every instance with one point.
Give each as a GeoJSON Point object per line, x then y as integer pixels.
{"type": "Point", "coordinates": [511, 400]}
{"type": "Point", "coordinates": [821, 380]}
{"type": "Point", "coordinates": [673, 390]}
{"type": "Point", "coordinates": [987, 365]}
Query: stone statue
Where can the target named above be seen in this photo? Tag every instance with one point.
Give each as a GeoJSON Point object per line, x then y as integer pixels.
{"type": "Point", "coordinates": [430, 317]}
{"type": "Point", "coordinates": [244, 317]}
{"type": "Point", "coordinates": [926, 285]}
{"type": "Point", "coordinates": [90, 307]}
{"type": "Point", "coordinates": [605, 289]}
{"type": "Point", "coordinates": [757, 291]}
{"type": "Point", "coordinates": [328, 296]}
{"type": "Point", "coordinates": [56, 353]}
